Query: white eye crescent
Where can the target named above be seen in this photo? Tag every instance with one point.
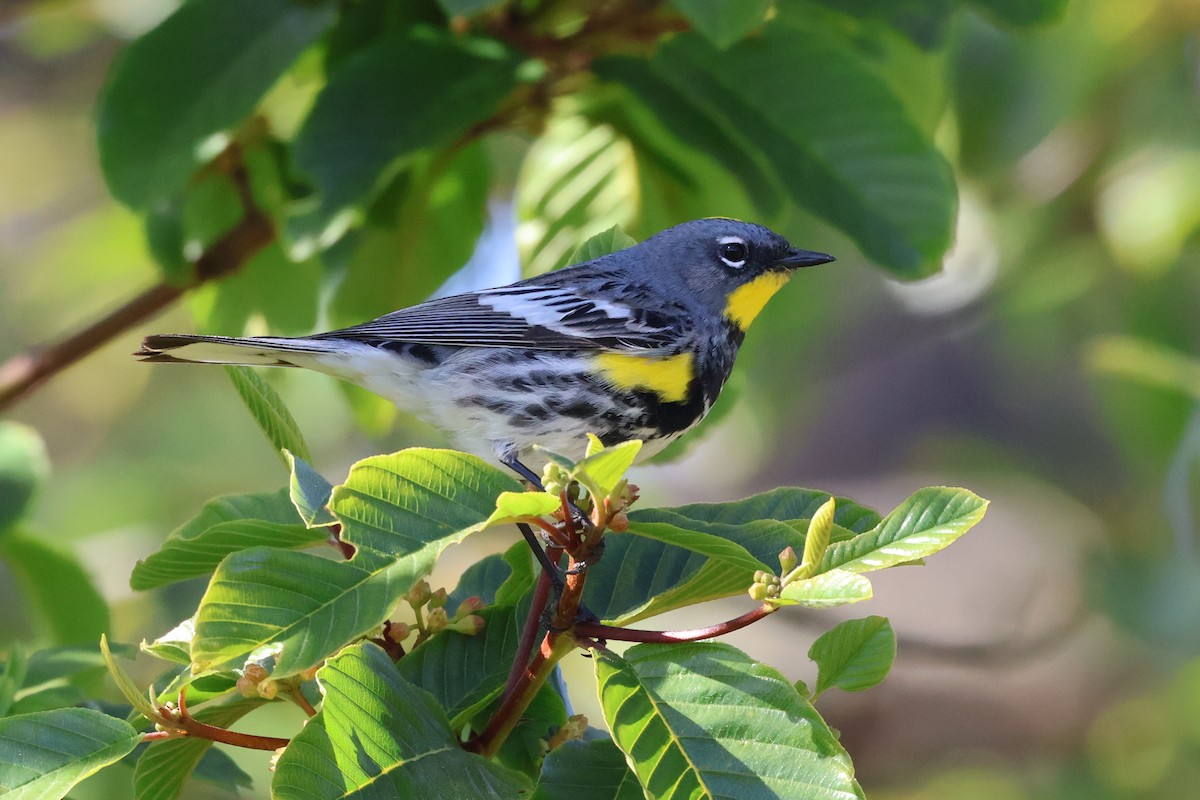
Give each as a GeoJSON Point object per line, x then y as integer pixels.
{"type": "Point", "coordinates": [733, 250]}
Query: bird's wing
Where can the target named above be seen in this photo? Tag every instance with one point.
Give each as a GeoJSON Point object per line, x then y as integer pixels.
{"type": "Point", "coordinates": [537, 316]}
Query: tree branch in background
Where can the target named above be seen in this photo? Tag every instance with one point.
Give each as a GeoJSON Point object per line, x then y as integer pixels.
{"type": "Point", "coordinates": [24, 372]}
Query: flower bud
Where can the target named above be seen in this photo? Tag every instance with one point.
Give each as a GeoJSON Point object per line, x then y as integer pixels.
{"type": "Point", "coordinates": [398, 631]}
{"type": "Point", "coordinates": [759, 592]}
{"type": "Point", "coordinates": [469, 625]}
{"type": "Point", "coordinates": [436, 620]}
{"type": "Point", "coordinates": [438, 598]}
{"type": "Point", "coordinates": [469, 606]}
{"type": "Point", "coordinates": [619, 523]}
{"type": "Point", "coordinates": [268, 689]}
{"type": "Point", "coordinates": [788, 560]}
{"type": "Point", "coordinates": [419, 594]}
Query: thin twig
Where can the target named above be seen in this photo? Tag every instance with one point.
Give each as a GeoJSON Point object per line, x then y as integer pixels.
{"type": "Point", "coordinates": [595, 630]}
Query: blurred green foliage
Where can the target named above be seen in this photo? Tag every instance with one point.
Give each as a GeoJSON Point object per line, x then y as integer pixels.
{"type": "Point", "coordinates": [1057, 347]}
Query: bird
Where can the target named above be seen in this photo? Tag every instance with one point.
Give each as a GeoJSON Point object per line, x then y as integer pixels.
{"type": "Point", "coordinates": [636, 344]}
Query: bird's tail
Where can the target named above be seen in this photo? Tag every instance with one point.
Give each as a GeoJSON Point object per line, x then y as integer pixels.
{"type": "Point", "coordinates": [255, 351]}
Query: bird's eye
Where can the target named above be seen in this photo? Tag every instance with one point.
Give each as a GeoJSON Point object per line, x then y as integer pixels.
{"type": "Point", "coordinates": [732, 251]}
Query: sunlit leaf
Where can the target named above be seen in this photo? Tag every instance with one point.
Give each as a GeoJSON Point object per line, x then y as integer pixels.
{"type": "Point", "coordinates": [378, 735]}
{"type": "Point", "coordinates": [602, 470]}
{"type": "Point", "coordinates": [827, 590]}
{"type": "Point", "coordinates": [514, 506]}
{"type": "Point", "coordinates": [270, 412]}
{"type": "Point", "coordinates": [400, 511]}
{"type": "Point", "coordinates": [854, 655]}
{"type": "Point", "coordinates": [691, 720]}
{"type": "Point", "coordinates": [310, 492]}
{"type": "Point", "coordinates": [925, 523]}
{"type": "Point", "coordinates": [603, 243]}
{"type": "Point", "coordinates": [577, 180]}
{"type": "Point", "coordinates": [225, 525]}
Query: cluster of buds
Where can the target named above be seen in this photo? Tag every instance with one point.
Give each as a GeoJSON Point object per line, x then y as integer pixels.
{"type": "Point", "coordinates": [556, 480]}
{"type": "Point", "coordinates": [765, 586]}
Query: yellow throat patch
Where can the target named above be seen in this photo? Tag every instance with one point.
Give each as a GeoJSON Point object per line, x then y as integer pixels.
{"type": "Point", "coordinates": [746, 301]}
{"type": "Point", "coordinates": [666, 376]}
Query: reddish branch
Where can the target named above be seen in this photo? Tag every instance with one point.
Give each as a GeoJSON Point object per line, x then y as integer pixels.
{"type": "Point", "coordinates": [594, 630]}
{"type": "Point", "coordinates": [182, 723]}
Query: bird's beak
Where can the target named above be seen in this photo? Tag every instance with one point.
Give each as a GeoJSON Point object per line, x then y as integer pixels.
{"type": "Point", "coordinates": [803, 258]}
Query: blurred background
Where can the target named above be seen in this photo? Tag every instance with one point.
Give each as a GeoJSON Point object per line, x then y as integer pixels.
{"type": "Point", "coordinates": [1052, 367]}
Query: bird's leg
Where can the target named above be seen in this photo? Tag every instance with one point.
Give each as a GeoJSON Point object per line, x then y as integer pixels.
{"type": "Point", "coordinates": [539, 552]}
{"type": "Point", "coordinates": [552, 570]}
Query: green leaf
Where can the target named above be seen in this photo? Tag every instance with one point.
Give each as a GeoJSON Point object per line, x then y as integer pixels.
{"type": "Point", "coordinates": [181, 559]}
{"type": "Point", "coordinates": [657, 576]}
{"type": "Point", "coordinates": [23, 467]}
{"type": "Point", "coordinates": [165, 767]}
{"type": "Point", "coordinates": [639, 577]}
{"type": "Point", "coordinates": [577, 180]}
{"type": "Point", "coordinates": [422, 228]}
{"type": "Point", "coordinates": [604, 243]}
{"type": "Point", "coordinates": [308, 605]}
{"type": "Point", "coordinates": [854, 655]}
{"type": "Point", "coordinates": [816, 540]}
{"type": "Point", "coordinates": [402, 503]}
{"type": "Point", "coordinates": [499, 579]}
{"type": "Point", "coordinates": [827, 590]}
{"type": "Point", "coordinates": [13, 677]}
{"type": "Point", "coordinates": [212, 206]}
{"type": "Point", "coordinates": [1023, 12]}
{"type": "Point", "coordinates": [466, 673]}
{"type": "Point", "coordinates": [199, 72]}
{"type": "Point", "coordinates": [587, 770]}
{"type": "Point", "coordinates": [681, 714]}
{"type": "Point", "coordinates": [377, 735]}
{"type": "Point", "coordinates": [400, 511]}
{"type": "Point", "coordinates": [70, 661]}
{"type": "Point", "coordinates": [310, 492]}
{"type": "Point", "coordinates": [467, 8]}
{"type": "Point", "coordinates": [269, 411]}
{"type": "Point", "coordinates": [54, 582]}
{"type": "Point", "coordinates": [360, 126]}
{"type": "Point", "coordinates": [269, 289]}
{"type": "Point", "coordinates": [823, 126]}
{"type": "Point", "coordinates": [174, 645]}
{"type": "Point", "coordinates": [130, 690]}
{"type": "Point", "coordinates": [43, 755]}
{"type": "Point", "coordinates": [225, 525]}
{"type": "Point", "coordinates": [603, 469]}
{"type": "Point", "coordinates": [517, 506]}
{"type": "Point", "coordinates": [785, 503]}
{"type": "Point", "coordinates": [723, 22]}
{"type": "Point", "coordinates": [922, 525]}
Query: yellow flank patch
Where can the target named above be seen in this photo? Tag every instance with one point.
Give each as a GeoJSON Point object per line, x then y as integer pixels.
{"type": "Point", "coordinates": [666, 376]}
{"type": "Point", "coordinates": [746, 301]}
